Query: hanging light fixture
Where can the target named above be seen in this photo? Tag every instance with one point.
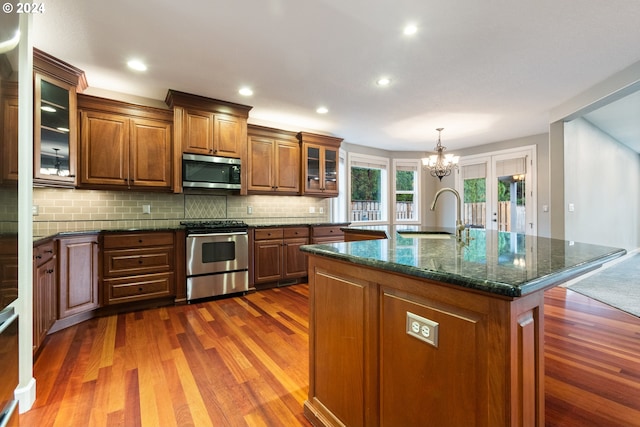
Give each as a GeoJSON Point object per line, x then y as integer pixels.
{"type": "Point", "coordinates": [440, 164]}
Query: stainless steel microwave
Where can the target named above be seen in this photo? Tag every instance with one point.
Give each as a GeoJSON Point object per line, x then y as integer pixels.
{"type": "Point", "coordinates": [201, 171]}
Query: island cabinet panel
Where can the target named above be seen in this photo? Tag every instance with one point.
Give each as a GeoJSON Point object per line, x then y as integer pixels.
{"type": "Point", "coordinates": [484, 369]}
{"type": "Point", "coordinates": [341, 330]}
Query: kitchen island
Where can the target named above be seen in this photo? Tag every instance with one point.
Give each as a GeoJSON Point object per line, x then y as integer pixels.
{"type": "Point", "coordinates": [423, 330]}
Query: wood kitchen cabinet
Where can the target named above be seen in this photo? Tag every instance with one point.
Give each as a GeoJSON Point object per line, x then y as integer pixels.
{"type": "Point", "coordinates": [273, 161]}
{"type": "Point", "coordinates": [125, 146]}
{"type": "Point", "coordinates": [45, 290]}
{"type": "Point", "coordinates": [276, 254]}
{"type": "Point", "coordinates": [55, 139]}
{"type": "Point", "coordinates": [138, 266]}
{"type": "Point", "coordinates": [210, 127]}
{"type": "Point", "coordinates": [78, 276]}
{"type": "Point", "coordinates": [9, 117]}
{"type": "Point", "coordinates": [320, 161]}
{"type": "Point", "coordinates": [327, 234]}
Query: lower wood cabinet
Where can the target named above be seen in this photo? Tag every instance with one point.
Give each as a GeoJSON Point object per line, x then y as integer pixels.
{"type": "Point", "coordinates": [138, 266]}
{"type": "Point", "coordinates": [327, 234]}
{"type": "Point", "coordinates": [277, 255]}
{"type": "Point", "coordinates": [78, 275]}
{"type": "Point", "coordinates": [45, 290]}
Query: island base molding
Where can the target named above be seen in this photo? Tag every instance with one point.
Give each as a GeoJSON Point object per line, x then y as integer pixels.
{"type": "Point", "coordinates": [485, 369]}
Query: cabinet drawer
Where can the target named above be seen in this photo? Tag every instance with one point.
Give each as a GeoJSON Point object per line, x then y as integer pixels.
{"type": "Point", "coordinates": [44, 252]}
{"type": "Point", "coordinates": [327, 231]}
{"type": "Point", "coordinates": [137, 240]}
{"type": "Point", "coordinates": [122, 262]}
{"type": "Point", "coordinates": [138, 288]}
{"type": "Point", "coordinates": [268, 233]}
{"type": "Point", "coordinates": [295, 232]}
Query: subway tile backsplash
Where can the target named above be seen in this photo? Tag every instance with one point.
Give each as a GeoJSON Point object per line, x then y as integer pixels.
{"type": "Point", "coordinates": [61, 210]}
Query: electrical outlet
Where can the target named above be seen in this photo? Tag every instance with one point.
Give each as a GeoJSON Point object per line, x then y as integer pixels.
{"type": "Point", "coordinates": [321, 210]}
{"type": "Point", "coordinates": [312, 209]}
{"type": "Point", "coordinates": [249, 210]}
{"type": "Point", "coordinates": [146, 209]}
{"type": "Point", "coordinates": [422, 328]}
{"type": "Point", "coordinates": [35, 210]}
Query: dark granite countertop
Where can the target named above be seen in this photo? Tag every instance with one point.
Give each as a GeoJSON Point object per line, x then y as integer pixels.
{"type": "Point", "coordinates": [507, 264]}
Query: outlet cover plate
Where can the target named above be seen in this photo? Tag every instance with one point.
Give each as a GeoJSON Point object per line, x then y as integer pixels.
{"type": "Point", "coordinates": [422, 328]}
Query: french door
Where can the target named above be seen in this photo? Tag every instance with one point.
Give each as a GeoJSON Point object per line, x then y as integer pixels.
{"type": "Point", "coordinates": [498, 190]}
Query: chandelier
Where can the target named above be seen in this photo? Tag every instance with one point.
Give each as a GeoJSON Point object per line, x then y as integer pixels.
{"type": "Point", "coordinates": [440, 164]}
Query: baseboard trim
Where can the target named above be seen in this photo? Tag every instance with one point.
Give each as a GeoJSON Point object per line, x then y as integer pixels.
{"type": "Point", "coordinates": [26, 396]}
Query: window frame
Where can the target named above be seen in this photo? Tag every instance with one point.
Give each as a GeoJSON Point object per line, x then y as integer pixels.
{"type": "Point", "coordinates": [382, 163]}
{"type": "Point", "coordinates": [411, 163]}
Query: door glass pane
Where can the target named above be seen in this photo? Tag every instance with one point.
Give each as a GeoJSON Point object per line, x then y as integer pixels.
{"type": "Point", "coordinates": [330, 170]}
{"type": "Point", "coordinates": [313, 168]}
{"type": "Point", "coordinates": [475, 203]}
{"type": "Point", "coordinates": [511, 203]}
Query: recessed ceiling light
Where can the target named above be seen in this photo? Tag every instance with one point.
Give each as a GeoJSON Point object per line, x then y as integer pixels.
{"type": "Point", "coordinates": [383, 81]}
{"type": "Point", "coordinates": [136, 64]}
{"type": "Point", "coordinates": [410, 30]}
{"type": "Point", "coordinates": [322, 110]}
{"type": "Point", "coordinates": [245, 91]}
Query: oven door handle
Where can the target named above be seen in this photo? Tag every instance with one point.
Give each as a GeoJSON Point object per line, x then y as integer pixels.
{"type": "Point", "coordinates": [233, 233]}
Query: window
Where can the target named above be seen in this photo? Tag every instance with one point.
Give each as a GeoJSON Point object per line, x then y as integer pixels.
{"type": "Point", "coordinates": [406, 186]}
{"type": "Point", "coordinates": [368, 188]}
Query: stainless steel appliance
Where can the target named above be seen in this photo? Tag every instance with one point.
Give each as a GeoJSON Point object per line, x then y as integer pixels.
{"type": "Point", "coordinates": [8, 367]}
{"type": "Point", "coordinates": [210, 172]}
{"type": "Point", "coordinates": [217, 258]}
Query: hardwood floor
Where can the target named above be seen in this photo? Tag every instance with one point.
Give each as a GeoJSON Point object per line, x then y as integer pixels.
{"type": "Point", "coordinates": [244, 362]}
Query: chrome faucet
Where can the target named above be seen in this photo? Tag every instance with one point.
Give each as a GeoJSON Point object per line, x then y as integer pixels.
{"type": "Point", "coordinates": [459, 225]}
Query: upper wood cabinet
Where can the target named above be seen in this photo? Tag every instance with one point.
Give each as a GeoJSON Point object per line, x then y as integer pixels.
{"type": "Point", "coordinates": [320, 159]}
{"type": "Point", "coordinates": [56, 84]}
{"type": "Point", "coordinates": [273, 161]}
{"type": "Point", "coordinates": [9, 135]}
{"type": "Point", "coordinates": [124, 145]}
{"type": "Point", "coordinates": [210, 127]}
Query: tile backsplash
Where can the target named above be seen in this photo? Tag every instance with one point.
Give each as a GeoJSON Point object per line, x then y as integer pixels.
{"type": "Point", "coordinates": [60, 210]}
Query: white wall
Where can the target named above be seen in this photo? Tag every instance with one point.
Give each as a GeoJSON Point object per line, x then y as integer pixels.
{"type": "Point", "coordinates": [602, 181]}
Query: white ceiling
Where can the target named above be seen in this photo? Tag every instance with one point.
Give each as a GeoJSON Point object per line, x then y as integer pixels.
{"type": "Point", "coordinates": [484, 70]}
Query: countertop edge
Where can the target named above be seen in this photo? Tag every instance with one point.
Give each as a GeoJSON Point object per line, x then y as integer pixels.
{"type": "Point", "coordinates": [493, 287]}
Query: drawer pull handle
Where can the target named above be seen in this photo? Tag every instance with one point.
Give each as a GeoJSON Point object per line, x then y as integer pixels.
{"type": "Point", "coordinates": [139, 240]}
{"type": "Point", "coordinates": [140, 289]}
{"type": "Point", "coordinates": [140, 261]}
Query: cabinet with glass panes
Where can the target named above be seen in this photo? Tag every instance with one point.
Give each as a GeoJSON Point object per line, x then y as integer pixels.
{"type": "Point", "coordinates": [55, 120]}
{"type": "Point", "coordinates": [320, 164]}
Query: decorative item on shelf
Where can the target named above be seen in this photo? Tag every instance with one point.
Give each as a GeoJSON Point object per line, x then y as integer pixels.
{"type": "Point", "coordinates": [440, 164]}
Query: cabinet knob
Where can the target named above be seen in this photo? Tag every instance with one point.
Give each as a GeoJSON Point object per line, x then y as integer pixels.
{"type": "Point", "coordinates": [139, 240]}
{"type": "Point", "coordinates": [140, 289]}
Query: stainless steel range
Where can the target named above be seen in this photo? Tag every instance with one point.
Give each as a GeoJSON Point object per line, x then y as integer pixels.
{"type": "Point", "coordinates": [217, 258]}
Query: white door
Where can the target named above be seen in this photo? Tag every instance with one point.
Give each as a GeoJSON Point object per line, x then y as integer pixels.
{"type": "Point", "coordinates": [498, 190]}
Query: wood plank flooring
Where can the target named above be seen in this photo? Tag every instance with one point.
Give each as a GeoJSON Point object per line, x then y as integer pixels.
{"type": "Point", "coordinates": [244, 362]}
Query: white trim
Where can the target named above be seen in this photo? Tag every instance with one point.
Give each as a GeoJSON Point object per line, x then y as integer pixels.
{"type": "Point", "coordinates": [26, 396]}
{"type": "Point", "coordinates": [383, 163]}
{"type": "Point", "coordinates": [417, 202]}
{"type": "Point", "coordinates": [490, 159]}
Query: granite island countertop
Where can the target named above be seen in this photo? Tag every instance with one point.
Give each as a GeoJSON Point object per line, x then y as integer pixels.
{"type": "Point", "coordinates": [501, 263]}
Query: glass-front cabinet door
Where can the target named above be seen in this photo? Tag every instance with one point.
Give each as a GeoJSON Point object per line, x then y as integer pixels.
{"type": "Point", "coordinates": [54, 131]}
{"type": "Point", "coordinates": [320, 162]}
{"type": "Point", "coordinates": [55, 118]}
